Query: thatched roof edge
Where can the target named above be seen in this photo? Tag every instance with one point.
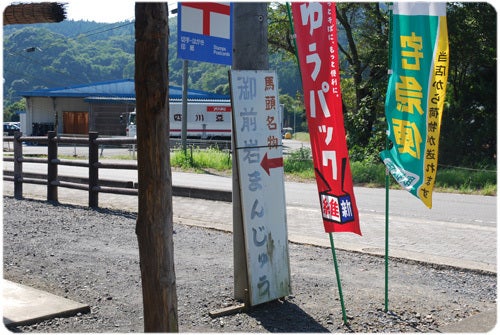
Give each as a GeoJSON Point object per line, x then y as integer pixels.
{"type": "Point", "coordinates": [41, 12]}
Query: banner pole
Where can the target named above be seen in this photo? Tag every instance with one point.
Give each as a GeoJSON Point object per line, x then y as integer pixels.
{"type": "Point", "coordinates": [339, 284]}
{"type": "Point", "coordinates": [387, 180]}
{"type": "Point", "coordinates": [296, 52]}
{"type": "Point", "coordinates": [386, 234]}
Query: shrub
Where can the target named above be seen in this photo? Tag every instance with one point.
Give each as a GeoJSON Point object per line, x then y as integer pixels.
{"type": "Point", "coordinates": [299, 163]}
{"type": "Point", "coordinates": [466, 180]}
{"type": "Point", "coordinates": [196, 158]}
{"type": "Point", "coordinates": [369, 173]}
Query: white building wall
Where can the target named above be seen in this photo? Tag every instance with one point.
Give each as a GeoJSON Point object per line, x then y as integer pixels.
{"type": "Point", "coordinates": [41, 110]}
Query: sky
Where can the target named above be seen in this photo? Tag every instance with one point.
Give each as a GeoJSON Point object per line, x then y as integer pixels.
{"type": "Point", "coordinates": [108, 11]}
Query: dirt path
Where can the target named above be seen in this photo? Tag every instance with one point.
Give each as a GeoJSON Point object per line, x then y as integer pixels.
{"type": "Point", "coordinates": [92, 257]}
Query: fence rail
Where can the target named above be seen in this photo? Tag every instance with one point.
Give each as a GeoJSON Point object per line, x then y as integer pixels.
{"type": "Point", "coordinates": [53, 180]}
{"type": "Point", "coordinates": [93, 185]}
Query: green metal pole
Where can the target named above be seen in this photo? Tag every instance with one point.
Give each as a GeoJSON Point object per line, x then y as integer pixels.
{"type": "Point", "coordinates": [386, 234]}
{"type": "Point", "coordinates": [295, 50]}
{"type": "Point", "coordinates": [339, 284]}
{"type": "Point", "coordinates": [292, 30]}
{"type": "Point", "coordinates": [387, 180]}
{"type": "Point", "coordinates": [290, 20]}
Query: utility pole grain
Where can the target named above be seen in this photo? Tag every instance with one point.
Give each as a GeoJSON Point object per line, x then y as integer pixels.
{"type": "Point", "coordinates": [155, 216]}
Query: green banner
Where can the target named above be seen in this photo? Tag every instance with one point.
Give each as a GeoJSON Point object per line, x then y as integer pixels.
{"type": "Point", "coordinates": [416, 94]}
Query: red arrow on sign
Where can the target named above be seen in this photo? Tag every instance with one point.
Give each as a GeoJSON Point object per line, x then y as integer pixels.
{"type": "Point", "coordinates": [271, 163]}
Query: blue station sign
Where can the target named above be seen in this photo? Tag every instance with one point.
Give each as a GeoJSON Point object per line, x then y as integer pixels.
{"type": "Point", "coordinates": [205, 32]}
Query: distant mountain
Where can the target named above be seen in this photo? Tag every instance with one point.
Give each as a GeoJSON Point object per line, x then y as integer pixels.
{"type": "Point", "coordinates": [80, 52]}
{"type": "Point", "coordinates": [65, 53]}
{"type": "Point", "coordinates": [72, 29]}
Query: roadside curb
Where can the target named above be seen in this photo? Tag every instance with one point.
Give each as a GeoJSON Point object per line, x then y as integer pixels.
{"type": "Point", "coordinates": [200, 193]}
{"type": "Point", "coordinates": [483, 322]}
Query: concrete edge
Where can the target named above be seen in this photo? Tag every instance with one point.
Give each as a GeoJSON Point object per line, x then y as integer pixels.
{"type": "Point", "coordinates": [401, 254]}
{"type": "Point", "coordinates": [25, 305]}
{"type": "Point", "coordinates": [201, 193]}
{"type": "Point", "coordinates": [31, 321]}
{"type": "Point", "coordinates": [483, 322]}
{"type": "Point", "coordinates": [363, 249]}
{"type": "Point", "coordinates": [220, 195]}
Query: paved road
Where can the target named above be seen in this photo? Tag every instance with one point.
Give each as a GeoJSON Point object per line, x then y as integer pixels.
{"type": "Point", "coordinates": [460, 230]}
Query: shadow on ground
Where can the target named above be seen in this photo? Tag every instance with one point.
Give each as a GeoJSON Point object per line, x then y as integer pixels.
{"type": "Point", "coordinates": [285, 317]}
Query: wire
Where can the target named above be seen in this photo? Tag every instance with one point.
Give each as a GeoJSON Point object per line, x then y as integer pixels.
{"type": "Point", "coordinates": [65, 40]}
{"type": "Point", "coordinates": [468, 169]}
{"type": "Point", "coordinates": [91, 32]}
{"type": "Point", "coordinates": [14, 53]}
{"type": "Point", "coordinates": [103, 31]}
{"type": "Point", "coordinates": [44, 81]}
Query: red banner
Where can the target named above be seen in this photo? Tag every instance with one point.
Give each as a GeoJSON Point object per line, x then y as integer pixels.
{"type": "Point", "coordinates": [316, 34]}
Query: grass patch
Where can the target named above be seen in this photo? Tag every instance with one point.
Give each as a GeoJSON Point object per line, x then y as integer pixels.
{"type": "Point", "coordinates": [299, 164]}
{"type": "Point", "coordinates": [368, 174]}
{"type": "Point", "coordinates": [371, 174]}
{"type": "Point", "coordinates": [301, 136]}
{"type": "Point", "coordinates": [467, 180]}
{"type": "Point", "coordinates": [199, 159]}
{"type": "Point", "coordinates": [130, 156]}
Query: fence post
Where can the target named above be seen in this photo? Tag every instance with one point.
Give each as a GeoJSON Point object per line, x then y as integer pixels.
{"type": "Point", "coordinates": [52, 167]}
{"type": "Point", "coordinates": [93, 170]}
{"type": "Point", "coordinates": [18, 166]}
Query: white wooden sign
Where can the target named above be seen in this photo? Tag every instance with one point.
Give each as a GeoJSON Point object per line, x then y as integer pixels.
{"type": "Point", "coordinates": [259, 155]}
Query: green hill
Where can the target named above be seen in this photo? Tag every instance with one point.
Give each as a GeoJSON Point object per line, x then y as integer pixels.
{"type": "Point", "coordinates": [80, 52]}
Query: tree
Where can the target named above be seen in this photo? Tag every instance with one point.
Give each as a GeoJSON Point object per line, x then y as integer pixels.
{"type": "Point", "coordinates": [279, 32]}
{"type": "Point", "coordinates": [9, 113]}
{"type": "Point", "coordinates": [468, 131]}
{"type": "Point", "coordinates": [363, 41]}
{"type": "Point", "coordinates": [363, 28]}
{"type": "Point", "coordinates": [155, 216]}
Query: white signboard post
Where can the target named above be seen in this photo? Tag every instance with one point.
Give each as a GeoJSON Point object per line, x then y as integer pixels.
{"type": "Point", "coordinates": [259, 157]}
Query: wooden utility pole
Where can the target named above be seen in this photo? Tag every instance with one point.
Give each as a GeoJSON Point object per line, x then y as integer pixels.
{"type": "Point", "coordinates": [155, 217]}
{"type": "Point", "coordinates": [250, 52]}
{"type": "Point", "coordinates": [250, 45]}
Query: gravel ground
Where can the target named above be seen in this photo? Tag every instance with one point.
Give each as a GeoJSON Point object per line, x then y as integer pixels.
{"type": "Point", "coordinates": [91, 256]}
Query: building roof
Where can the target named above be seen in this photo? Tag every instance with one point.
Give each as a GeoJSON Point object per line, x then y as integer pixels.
{"type": "Point", "coordinates": [117, 90]}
